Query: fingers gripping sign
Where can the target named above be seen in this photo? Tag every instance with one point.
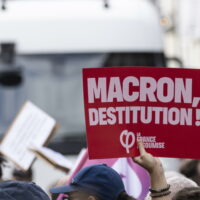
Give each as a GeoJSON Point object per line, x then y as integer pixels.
{"type": "Point", "coordinates": [145, 159]}
{"type": "Point", "coordinates": [156, 172]}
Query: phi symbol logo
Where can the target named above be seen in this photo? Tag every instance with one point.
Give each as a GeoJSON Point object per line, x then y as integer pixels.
{"type": "Point", "coordinates": [127, 140]}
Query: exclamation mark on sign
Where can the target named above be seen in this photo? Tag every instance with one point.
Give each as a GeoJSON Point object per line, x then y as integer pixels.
{"type": "Point", "coordinates": [197, 123]}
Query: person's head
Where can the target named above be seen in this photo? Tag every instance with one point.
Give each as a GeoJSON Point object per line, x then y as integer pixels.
{"type": "Point", "coordinates": [177, 182]}
{"type": "Point", "coordinates": [19, 190]}
{"type": "Point", "coordinates": [96, 182]}
{"type": "Point", "coordinates": [20, 175]}
{"type": "Point", "coordinates": [192, 193]}
{"type": "Point", "coordinates": [191, 169]}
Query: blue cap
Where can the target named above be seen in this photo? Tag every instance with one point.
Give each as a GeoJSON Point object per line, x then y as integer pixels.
{"type": "Point", "coordinates": [99, 180]}
{"type": "Point", "coordinates": [18, 190]}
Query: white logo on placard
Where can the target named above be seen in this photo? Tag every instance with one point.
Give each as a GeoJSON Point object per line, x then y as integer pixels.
{"type": "Point", "coordinates": [127, 140]}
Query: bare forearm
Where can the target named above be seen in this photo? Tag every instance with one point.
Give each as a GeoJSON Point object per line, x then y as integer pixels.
{"type": "Point", "coordinates": [154, 167]}
{"type": "Point", "coordinates": [158, 181]}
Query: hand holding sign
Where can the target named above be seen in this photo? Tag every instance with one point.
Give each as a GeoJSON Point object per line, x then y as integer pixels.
{"type": "Point", "coordinates": [147, 161]}
{"type": "Point", "coordinates": [155, 169]}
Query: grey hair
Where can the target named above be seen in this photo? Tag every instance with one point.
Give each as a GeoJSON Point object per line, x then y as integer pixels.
{"type": "Point", "coordinates": [177, 182]}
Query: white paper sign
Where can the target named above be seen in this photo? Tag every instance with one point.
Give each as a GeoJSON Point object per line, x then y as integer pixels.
{"type": "Point", "coordinates": [54, 157]}
{"type": "Point", "coordinates": [32, 126]}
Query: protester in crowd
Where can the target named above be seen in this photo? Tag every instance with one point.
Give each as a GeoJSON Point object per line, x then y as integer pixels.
{"type": "Point", "coordinates": [192, 193]}
{"type": "Point", "coordinates": [20, 175]}
{"type": "Point", "coordinates": [19, 190]}
{"type": "Point", "coordinates": [177, 182]}
{"type": "Point", "coordinates": [191, 169]}
{"type": "Point", "coordinates": [100, 182]}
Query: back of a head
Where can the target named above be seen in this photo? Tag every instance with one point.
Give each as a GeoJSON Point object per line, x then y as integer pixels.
{"type": "Point", "coordinates": [177, 182]}
{"type": "Point", "coordinates": [19, 190]}
{"type": "Point", "coordinates": [192, 193]}
{"type": "Point", "coordinates": [20, 175]}
{"type": "Point", "coordinates": [100, 180]}
{"type": "Point", "coordinates": [190, 169]}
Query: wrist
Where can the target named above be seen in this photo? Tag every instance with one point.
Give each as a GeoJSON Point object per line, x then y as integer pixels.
{"type": "Point", "coordinates": [158, 180]}
{"type": "Point", "coordinates": [162, 192]}
{"type": "Point", "coordinates": [156, 170]}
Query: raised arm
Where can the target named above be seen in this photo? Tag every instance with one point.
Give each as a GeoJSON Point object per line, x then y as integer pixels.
{"type": "Point", "coordinates": [159, 188]}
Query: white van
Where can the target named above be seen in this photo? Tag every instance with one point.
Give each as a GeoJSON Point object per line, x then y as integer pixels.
{"type": "Point", "coordinates": [54, 39]}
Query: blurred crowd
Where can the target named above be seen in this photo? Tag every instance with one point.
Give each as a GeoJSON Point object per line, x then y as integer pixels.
{"type": "Point", "coordinates": [100, 182]}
